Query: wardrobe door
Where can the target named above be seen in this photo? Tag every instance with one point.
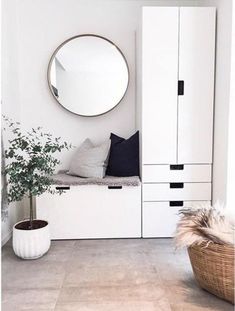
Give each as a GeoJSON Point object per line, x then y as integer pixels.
{"type": "Point", "coordinates": [196, 69]}
{"type": "Point", "coordinates": [159, 84]}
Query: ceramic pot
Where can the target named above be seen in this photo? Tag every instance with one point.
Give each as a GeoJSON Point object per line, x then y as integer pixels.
{"type": "Point", "coordinates": [31, 243]}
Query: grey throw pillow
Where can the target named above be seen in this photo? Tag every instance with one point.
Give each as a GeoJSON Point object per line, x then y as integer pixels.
{"type": "Point", "coordinates": [90, 160]}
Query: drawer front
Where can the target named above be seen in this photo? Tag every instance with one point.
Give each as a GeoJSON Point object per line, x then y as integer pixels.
{"type": "Point", "coordinates": [189, 192]}
{"type": "Point", "coordinates": [176, 173]}
{"type": "Point", "coordinates": [160, 219]}
{"type": "Point", "coordinates": [92, 212]}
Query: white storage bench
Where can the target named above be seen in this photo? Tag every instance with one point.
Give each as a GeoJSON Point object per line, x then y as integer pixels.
{"type": "Point", "coordinates": [92, 208]}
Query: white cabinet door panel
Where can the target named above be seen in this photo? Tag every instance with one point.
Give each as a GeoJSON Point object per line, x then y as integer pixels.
{"type": "Point", "coordinates": [159, 84]}
{"type": "Point", "coordinates": [160, 219]}
{"type": "Point", "coordinates": [190, 191]}
{"type": "Point", "coordinates": [86, 212]}
{"type": "Point", "coordinates": [196, 69]}
{"type": "Point", "coordinates": [163, 173]}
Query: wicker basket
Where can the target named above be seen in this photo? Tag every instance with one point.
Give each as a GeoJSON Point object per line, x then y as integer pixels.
{"type": "Point", "coordinates": [213, 267]}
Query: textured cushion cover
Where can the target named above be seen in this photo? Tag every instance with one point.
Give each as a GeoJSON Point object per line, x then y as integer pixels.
{"type": "Point", "coordinates": [90, 160]}
{"type": "Point", "coordinates": [62, 178]}
{"type": "Point", "coordinates": [124, 156]}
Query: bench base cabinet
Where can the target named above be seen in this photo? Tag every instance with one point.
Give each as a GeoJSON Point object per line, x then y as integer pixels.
{"type": "Point", "coordinates": [88, 212]}
{"type": "Point", "coordinates": [160, 219]}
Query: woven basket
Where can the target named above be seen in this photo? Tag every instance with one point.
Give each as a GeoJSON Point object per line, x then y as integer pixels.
{"type": "Point", "coordinates": [213, 267]}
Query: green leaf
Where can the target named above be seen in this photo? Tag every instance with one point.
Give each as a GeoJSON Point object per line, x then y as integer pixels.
{"type": "Point", "coordinates": [31, 160]}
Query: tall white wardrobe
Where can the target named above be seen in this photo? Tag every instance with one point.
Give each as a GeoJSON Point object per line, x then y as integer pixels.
{"type": "Point", "coordinates": [177, 81]}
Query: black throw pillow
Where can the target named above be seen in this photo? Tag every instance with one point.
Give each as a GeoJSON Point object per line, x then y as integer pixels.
{"type": "Point", "coordinates": [124, 156]}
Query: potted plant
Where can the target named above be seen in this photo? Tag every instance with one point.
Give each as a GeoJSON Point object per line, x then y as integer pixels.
{"type": "Point", "coordinates": [30, 163]}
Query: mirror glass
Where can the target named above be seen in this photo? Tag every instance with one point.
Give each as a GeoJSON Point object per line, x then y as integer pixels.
{"type": "Point", "coordinates": [88, 75]}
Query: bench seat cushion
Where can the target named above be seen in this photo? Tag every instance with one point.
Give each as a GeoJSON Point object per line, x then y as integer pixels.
{"type": "Point", "coordinates": [64, 179]}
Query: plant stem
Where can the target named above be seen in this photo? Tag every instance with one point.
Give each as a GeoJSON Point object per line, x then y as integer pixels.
{"type": "Point", "coordinates": [31, 211]}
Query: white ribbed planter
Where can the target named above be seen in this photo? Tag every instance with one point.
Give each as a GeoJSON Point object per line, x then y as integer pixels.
{"type": "Point", "coordinates": [31, 244]}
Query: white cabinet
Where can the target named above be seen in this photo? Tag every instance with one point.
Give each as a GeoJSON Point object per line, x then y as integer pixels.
{"type": "Point", "coordinates": [178, 56]}
{"type": "Point", "coordinates": [165, 173]}
{"type": "Point", "coordinates": [178, 44]}
{"type": "Point", "coordinates": [196, 69]}
{"type": "Point", "coordinates": [159, 84]}
{"type": "Point", "coordinates": [91, 211]}
{"type": "Point", "coordinates": [165, 217]}
{"type": "Point", "coordinates": [176, 191]}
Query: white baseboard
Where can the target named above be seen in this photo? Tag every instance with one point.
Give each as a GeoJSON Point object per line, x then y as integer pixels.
{"type": "Point", "coordinates": [6, 238]}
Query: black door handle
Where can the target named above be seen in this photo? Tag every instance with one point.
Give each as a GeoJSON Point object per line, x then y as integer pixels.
{"type": "Point", "coordinates": [114, 187]}
{"type": "Point", "coordinates": [176, 185]}
{"type": "Point", "coordinates": [176, 167]}
{"type": "Point", "coordinates": [176, 203]}
{"type": "Point", "coordinates": [180, 87]}
{"type": "Point", "coordinates": [62, 188]}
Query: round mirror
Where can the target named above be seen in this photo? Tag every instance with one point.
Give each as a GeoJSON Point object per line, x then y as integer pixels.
{"type": "Point", "coordinates": [88, 75]}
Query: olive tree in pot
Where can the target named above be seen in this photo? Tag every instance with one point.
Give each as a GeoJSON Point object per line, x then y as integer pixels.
{"type": "Point", "coordinates": [31, 162]}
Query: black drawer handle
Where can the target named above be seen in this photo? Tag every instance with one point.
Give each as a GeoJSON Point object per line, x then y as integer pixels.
{"type": "Point", "coordinates": [114, 187]}
{"type": "Point", "coordinates": [176, 185]}
{"type": "Point", "coordinates": [176, 167]}
{"type": "Point", "coordinates": [180, 87]}
{"type": "Point", "coordinates": [62, 188]}
{"type": "Point", "coordinates": [176, 203]}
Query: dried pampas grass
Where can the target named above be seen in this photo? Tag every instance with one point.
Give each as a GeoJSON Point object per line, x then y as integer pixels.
{"type": "Point", "coordinates": [204, 224]}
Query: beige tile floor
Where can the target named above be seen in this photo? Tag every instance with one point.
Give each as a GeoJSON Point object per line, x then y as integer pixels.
{"type": "Point", "coordinates": [104, 275]}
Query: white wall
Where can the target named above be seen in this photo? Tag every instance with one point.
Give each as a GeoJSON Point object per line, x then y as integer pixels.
{"type": "Point", "coordinates": [231, 136]}
{"type": "Point", "coordinates": [222, 88]}
{"type": "Point", "coordinates": [10, 93]}
{"type": "Point", "coordinates": [41, 25]}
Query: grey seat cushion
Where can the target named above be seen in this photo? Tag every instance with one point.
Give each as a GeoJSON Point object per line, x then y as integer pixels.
{"type": "Point", "coordinates": [64, 179]}
{"type": "Point", "coordinates": [90, 160]}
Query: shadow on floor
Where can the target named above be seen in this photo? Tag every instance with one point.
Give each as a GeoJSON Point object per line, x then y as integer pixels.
{"type": "Point", "coordinates": [202, 298]}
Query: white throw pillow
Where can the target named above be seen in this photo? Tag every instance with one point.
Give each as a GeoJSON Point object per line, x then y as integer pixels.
{"type": "Point", "coordinates": [90, 160]}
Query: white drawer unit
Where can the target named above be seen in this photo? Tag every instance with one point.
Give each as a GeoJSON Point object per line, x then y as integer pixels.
{"type": "Point", "coordinates": [160, 218]}
{"type": "Point", "coordinates": [91, 211]}
{"type": "Point", "coordinates": [177, 191]}
{"type": "Point", "coordinates": [176, 173]}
